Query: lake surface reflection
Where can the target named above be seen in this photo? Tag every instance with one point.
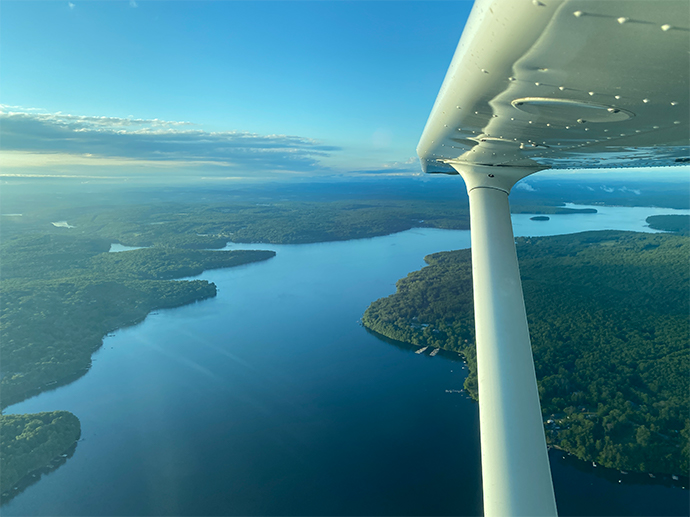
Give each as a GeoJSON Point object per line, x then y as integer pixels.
{"type": "Point", "coordinates": [271, 399]}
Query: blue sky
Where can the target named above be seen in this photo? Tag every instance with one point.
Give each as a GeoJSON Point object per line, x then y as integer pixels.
{"type": "Point", "coordinates": [220, 88]}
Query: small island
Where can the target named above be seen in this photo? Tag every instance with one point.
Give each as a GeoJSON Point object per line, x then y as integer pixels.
{"type": "Point", "coordinates": [539, 218]}
{"type": "Point", "coordinates": [670, 223]}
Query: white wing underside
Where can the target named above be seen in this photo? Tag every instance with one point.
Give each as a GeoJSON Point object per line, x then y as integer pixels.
{"type": "Point", "coordinates": [565, 84]}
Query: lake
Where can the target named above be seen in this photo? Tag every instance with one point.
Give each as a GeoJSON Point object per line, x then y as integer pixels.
{"type": "Point", "coordinates": [272, 399]}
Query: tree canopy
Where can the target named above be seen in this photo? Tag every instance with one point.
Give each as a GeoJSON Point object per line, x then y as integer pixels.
{"type": "Point", "coordinates": [608, 315]}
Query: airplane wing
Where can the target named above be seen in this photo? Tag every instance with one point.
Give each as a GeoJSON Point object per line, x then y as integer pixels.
{"type": "Point", "coordinates": [533, 85]}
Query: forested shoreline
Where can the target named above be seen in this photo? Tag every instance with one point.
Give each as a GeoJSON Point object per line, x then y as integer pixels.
{"type": "Point", "coordinates": [608, 319]}
{"type": "Point", "coordinates": [31, 441]}
{"type": "Point", "coordinates": [60, 295]}
{"type": "Point", "coordinates": [670, 223]}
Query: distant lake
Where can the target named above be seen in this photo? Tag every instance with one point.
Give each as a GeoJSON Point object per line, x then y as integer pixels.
{"type": "Point", "coordinates": [271, 399]}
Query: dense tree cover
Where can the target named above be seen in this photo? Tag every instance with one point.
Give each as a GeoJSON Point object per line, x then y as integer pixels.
{"type": "Point", "coordinates": [60, 295]}
{"type": "Point", "coordinates": [545, 209]}
{"type": "Point", "coordinates": [195, 226]}
{"type": "Point", "coordinates": [608, 315]}
{"type": "Point", "coordinates": [207, 226]}
{"type": "Point", "coordinates": [28, 442]}
{"type": "Point", "coordinates": [50, 328]}
{"type": "Point", "coordinates": [166, 263]}
{"type": "Point", "coordinates": [670, 223]}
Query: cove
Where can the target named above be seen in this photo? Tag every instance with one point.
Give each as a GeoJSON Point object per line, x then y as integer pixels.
{"type": "Point", "coordinates": [271, 399]}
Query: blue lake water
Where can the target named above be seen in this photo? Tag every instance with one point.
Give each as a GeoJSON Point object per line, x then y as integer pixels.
{"type": "Point", "coordinates": [271, 399]}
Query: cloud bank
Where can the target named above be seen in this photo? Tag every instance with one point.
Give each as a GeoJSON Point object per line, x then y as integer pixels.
{"type": "Point", "coordinates": [112, 139]}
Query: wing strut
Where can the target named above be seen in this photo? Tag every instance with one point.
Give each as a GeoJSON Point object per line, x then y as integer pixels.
{"type": "Point", "coordinates": [515, 466]}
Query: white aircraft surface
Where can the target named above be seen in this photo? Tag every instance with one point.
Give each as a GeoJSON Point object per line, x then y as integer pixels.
{"type": "Point", "coordinates": [534, 85]}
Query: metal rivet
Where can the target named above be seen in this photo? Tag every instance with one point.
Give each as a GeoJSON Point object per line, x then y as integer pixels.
{"type": "Point", "coordinates": [616, 96]}
{"type": "Point", "coordinates": [537, 84]}
{"type": "Point", "coordinates": [665, 27]}
{"type": "Point", "coordinates": [561, 88]}
{"type": "Point", "coordinates": [485, 71]}
{"type": "Point", "coordinates": [674, 103]}
{"type": "Point", "coordinates": [577, 14]}
{"type": "Point", "coordinates": [581, 121]}
{"type": "Point", "coordinates": [591, 93]}
{"type": "Point", "coordinates": [537, 3]}
{"type": "Point", "coordinates": [491, 175]}
{"type": "Point", "coordinates": [645, 101]}
{"type": "Point", "coordinates": [512, 79]}
{"type": "Point", "coordinates": [622, 20]}
{"type": "Point", "coordinates": [676, 121]}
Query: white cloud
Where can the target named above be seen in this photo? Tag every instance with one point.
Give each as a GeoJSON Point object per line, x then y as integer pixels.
{"type": "Point", "coordinates": [44, 138]}
{"type": "Point", "coordinates": [133, 4]}
{"type": "Point", "coordinates": [409, 167]}
{"type": "Point", "coordinates": [523, 185]}
{"type": "Point", "coordinates": [71, 5]}
{"type": "Point", "coordinates": [633, 190]}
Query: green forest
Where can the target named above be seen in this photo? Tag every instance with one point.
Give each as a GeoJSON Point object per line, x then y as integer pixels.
{"type": "Point", "coordinates": [29, 442]}
{"type": "Point", "coordinates": [608, 316]}
{"type": "Point", "coordinates": [213, 225]}
{"type": "Point", "coordinates": [670, 223]}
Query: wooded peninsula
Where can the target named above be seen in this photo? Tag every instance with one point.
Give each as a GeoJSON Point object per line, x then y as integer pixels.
{"type": "Point", "coordinates": [29, 442]}
{"type": "Point", "coordinates": [608, 317]}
